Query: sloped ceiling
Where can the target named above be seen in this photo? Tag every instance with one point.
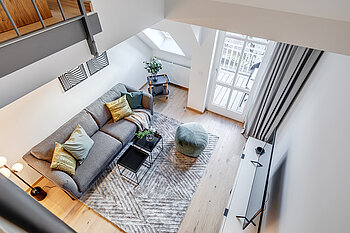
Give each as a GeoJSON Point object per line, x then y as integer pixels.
{"type": "Point", "coordinates": [182, 34]}
{"type": "Point", "coordinates": [329, 9]}
{"type": "Point", "coordinates": [319, 24]}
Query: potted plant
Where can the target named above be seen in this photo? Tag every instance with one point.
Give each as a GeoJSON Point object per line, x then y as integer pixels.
{"type": "Point", "coordinates": [149, 133]}
{"type": "Point", "coordinates": [153, 67]}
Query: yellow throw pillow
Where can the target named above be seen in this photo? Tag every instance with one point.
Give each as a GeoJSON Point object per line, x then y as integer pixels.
{"type": "Point", "coordinates": [119, 108]}
{"type": "Point", "coordinates": [63, 161]}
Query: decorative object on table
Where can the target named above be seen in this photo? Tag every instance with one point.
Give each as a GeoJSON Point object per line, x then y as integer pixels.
{"type": "Point", "coordinates": [167, 188]}
{"type": "Point", "coordinates": [150, 137]}
{"type": "Point", "coordinates": [97, 63]}
{"type": "Point", "coordinates": [160, 87]}
{"type": "Point", "coordinates": [134, 99]}
{"type": "Point", "coordinates": [73, 77]}
{"type": "Point", "coordinates": [140, 134]}
{"type": "Point", "coordinates": [37, 192]}
{"type": "Point", "coordinates": [149, 145]}
{"type": "Point", "coordinates": [153, 67]}
{"type": "Point", "coordinates": [191, 139]}
{"type": "Point", "coordinates": [260, 150]}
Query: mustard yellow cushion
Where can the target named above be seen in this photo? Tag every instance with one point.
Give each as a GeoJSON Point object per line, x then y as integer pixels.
{"type": "Point", "coordinates": [62, 160]}
{"type": "Point", "coordinates": [119, 108]}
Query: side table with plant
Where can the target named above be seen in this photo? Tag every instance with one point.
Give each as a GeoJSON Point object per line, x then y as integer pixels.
{"type": "Point", "coordinates": [153, 67]}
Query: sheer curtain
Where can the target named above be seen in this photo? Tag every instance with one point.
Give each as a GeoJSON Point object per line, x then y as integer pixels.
{"type": "Point", "coordinates": [288, 70]}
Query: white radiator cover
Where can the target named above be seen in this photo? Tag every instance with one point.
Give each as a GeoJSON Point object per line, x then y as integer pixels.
{"type": "Point", "coordinates": [178, 74]}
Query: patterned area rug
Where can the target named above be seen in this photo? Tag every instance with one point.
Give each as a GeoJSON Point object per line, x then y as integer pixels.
{"type": "Point", "coordinates": [160, 201]}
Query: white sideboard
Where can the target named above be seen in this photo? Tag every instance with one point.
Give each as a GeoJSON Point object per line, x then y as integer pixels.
{"type": "Point", "coordinates": [241, 190]}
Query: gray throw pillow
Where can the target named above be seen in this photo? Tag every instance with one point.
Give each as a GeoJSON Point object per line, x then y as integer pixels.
{"type": "Point", "coordinates": [79, 144]}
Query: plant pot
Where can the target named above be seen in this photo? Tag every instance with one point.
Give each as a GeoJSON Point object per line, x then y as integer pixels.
{"type": "Point", "coordinates": [154, 78]}
{"type": "Point", "coordinates": [149, 137]}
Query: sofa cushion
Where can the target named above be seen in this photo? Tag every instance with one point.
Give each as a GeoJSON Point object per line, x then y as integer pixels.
{"type": "Point", "coordinates": [119, 88]}
{"type": "Point", "coordinates": [63, 161]}
{"type": "Point", "coordinates": [122, 130]}
{"type": "Point", "coordinates": [119, 108]}
{"type": "Point", "coordinates": [99, 110]}
{"type": "Point", "coordinates": [44, 149]}
{"type": "Point", "coordinates": [104, 150]}
{"type": "Point", "coordinates": [79, 144]}
{"type": "Point", "coordinates": [110, 96]}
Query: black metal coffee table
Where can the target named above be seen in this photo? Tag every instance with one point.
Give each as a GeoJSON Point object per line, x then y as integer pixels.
{"type": "Point", "coordinates": [148, 146]}
{"type": "Point", "coordinates": [132, 160]}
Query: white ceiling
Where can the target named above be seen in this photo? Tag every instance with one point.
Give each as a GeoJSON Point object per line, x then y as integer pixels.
{"type": "Point", "coordinates": [330, 9]}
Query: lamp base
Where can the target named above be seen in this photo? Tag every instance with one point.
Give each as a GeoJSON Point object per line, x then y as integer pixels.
{"type": "Point", "coordinates": [38, 193]}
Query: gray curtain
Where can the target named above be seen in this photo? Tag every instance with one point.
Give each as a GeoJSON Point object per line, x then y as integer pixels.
{"type": "Point", "coordinates": [287, 72]}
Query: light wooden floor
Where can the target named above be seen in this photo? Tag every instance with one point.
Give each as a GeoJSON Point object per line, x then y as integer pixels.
{"type": "Point", "coordinates": [205, 212]}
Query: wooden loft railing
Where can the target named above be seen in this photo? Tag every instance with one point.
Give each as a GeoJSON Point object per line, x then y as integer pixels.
{"type": "Point", "coordinates": [24, 14]}
{"type": "Point", "coordinates": [39, 38]}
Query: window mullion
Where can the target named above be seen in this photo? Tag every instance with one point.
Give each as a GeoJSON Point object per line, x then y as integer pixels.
{"type": "Point", "coordinates": [237, 70]}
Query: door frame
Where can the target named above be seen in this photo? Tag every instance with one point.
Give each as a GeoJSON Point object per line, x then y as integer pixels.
{"type": "Point", "coordinates": [215, 71]}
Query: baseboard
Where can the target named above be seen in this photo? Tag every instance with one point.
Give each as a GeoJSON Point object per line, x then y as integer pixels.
{"type": "Point", "coordinates": [195, 110]}
{"type": "Point", "coordinates": [171, 83]}
{"type": "Point", "coordinates": [143, 86]}
{"type": "Point", "coordinates": [179, 86]}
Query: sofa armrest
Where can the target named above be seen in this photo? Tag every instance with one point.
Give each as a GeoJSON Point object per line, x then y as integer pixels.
{"type": "Point", "coordinates": [59, 178]}
{"type": "Point", "coordinates": [130, 89]}
{"type": "Point", "coordinates": [147, 99]}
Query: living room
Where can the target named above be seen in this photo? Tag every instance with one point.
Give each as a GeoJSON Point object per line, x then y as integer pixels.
{"type": "Point", "coordinates": [310, 115]}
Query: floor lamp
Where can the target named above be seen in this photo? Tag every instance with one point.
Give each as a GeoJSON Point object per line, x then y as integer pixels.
{"type": "Point", "coordinates": [37, 192]}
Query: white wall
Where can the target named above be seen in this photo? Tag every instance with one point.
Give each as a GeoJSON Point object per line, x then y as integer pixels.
{"type": "Point", "coordinates": [30, 119]}
{"type": "Point", "coordinates": [310, 186]}
{"type": "Point", "coordinates": [201, 67]}
{"type": "Point", "coordinates": [335, 9]}
{"type": "Point", "coordinates": [305, 30]}
{"type": "Point", "coordinates": [122, 19]}
{"type": "Point", "coordinates": [179, 72]}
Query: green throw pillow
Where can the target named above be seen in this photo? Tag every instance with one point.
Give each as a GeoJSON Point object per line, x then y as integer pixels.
{"type": "Point", "coordinates": [134, 99]}
{"type": "Point", "coordinates": [63, 161]}
{"type": "Point", "coordinates": [79, 144]}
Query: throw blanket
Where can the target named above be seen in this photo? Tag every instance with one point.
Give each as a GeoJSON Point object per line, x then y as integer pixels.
{"type": "Point", "coordinates": [141, 118]}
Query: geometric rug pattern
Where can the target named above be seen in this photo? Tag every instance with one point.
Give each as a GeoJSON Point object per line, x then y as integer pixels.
{"type": "Point", "coordinates": [160, 201]}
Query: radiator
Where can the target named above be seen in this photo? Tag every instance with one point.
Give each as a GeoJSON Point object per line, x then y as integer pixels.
{"type": "Point", "coordinates": [177, 73]}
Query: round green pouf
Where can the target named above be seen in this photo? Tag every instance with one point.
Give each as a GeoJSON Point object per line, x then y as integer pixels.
{"type": "Point", "coordinates": [191, 139]}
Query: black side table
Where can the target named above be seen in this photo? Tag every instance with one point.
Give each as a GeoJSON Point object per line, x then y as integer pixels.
{"type": "Point", "coordinates": [158, 85]}
{"type": "Point", "coordinates": [148, 146]}
{"type": "Point", "coordinates": [132, 160]}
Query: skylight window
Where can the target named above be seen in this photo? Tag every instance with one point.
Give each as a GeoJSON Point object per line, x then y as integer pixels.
{"type": "Point", "coordinates": [166, 35]}
{"type": "Point", "coordinates": [163, 40]}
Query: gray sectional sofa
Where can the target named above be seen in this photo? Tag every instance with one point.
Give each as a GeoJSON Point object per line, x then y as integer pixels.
{"type": "Point", "coordinates": [109, 139]}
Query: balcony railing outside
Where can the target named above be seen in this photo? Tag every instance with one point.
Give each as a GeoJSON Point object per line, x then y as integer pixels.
{"type": "Point", "coordinates": [240, 60]}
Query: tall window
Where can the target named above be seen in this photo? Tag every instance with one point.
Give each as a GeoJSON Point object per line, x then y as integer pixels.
{"type": "Point", "coordinates": [239, 63]}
